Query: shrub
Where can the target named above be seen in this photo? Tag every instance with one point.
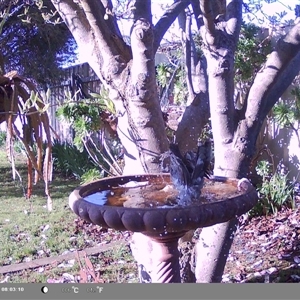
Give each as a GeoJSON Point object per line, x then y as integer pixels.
{"type": "Point", "coordinates": [70, 161]}
{"type": "Point", "coordinates": [275, 190]}
{"type": "Point", "coordinates": [91, 175]}
{"type": "Point", "coordinates": [2, 138]}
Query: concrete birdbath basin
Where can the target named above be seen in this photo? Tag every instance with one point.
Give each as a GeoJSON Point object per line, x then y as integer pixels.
{"type": "Point", "coordinates": [148, 204]}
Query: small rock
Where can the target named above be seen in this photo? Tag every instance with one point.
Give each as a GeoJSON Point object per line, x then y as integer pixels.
{"type": "Point", "coordinates": [226, 279]}
{"type": "Point", "coordinates": [271, 270]}
{"type": "Point", "coordinates": [5, 279]}
{"type": "Point", "coordinates": [68, 277]}
{"type": "Point", "coordinates": [296, 259]}
{"type": "Point", "coordinates": [46, 227]}
{"type": "Point", "coordinates": [257, 264]}
{"type": "Point", "coordinates": [121, 261]}
{"type": "Point", "coordinates": [68, 264]}
{"type": "Point", "coordinates": [294, 221]}
{"type": "Point", "coordinates": [266, 244]}
{"type": "Point", "coordinates": [267, 278]}
{"type": "Point", "coordinates": [284, 256]}
{"type": "Point", "coordinates": [40, 252]}
{"type": "Point", "coordinates": [295, 277]}
{"type": "Point", "coordinates": [244, 185]}
{"type": "Point", "coordinates": [27, 259]}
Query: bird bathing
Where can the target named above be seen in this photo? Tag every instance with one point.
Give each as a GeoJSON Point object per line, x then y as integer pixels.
{"type": "Point", "coordinates": [159, 192]}
{"type": "Point", "coordinates": [149, 204]}
{"type": "Point", "coordinates": [163, 207]}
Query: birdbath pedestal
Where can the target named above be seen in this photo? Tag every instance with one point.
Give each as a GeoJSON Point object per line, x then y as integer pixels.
{"type": "Point", "coordinates": [147, 204]}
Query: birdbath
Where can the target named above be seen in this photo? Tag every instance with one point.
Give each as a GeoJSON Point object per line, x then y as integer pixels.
{"type": "Point", "coordinates": [148, 204]}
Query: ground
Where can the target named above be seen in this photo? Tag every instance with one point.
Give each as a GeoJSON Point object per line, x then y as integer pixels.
{"type": "Point", "coordinates": [38, 246]}
{"type": "Point", "coordinates": [266, 249]}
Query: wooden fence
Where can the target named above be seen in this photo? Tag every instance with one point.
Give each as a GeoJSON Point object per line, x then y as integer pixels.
{"type": "Point", "coordinates": [68, 85]}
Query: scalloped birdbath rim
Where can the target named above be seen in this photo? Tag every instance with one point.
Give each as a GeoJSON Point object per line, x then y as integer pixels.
{"type": "Point", "coordinates": [159, 221]}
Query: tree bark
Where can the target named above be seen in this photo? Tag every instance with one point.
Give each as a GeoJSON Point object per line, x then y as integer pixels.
{"type": "Point", "coordinates": [196, 114]}
{"type": "Point", "coordinates": [128, 72]}
{"type": "Point", "coordinates": [235, 131]}
{"type": "Point", "coordinates": [220, 37]}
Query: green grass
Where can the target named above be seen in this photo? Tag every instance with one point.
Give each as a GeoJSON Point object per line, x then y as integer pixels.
{"type": "Point", "coordinates": [113, 265]}
{"type": "Point", "coordinates": [23, 222]}
{"type": "Point", "coordinates": [28, 231]}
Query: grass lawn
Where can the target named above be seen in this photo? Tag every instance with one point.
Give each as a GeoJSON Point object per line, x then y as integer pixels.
{"type": "Point", "coordinates": [28, 231]}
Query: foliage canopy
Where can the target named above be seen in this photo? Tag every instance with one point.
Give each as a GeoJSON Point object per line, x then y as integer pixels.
{"type": "Point", "coordinates": [33, 40]}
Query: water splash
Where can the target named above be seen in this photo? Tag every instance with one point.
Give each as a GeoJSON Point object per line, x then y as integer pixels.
{"type": "Point", "coordinates": [188, 171]}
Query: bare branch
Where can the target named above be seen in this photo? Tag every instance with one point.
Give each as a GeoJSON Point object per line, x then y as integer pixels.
{"type": "Point", "coordinates": [208, 16]}
{"type": "Point", "coordinates": [74, 18]}
{"type": "Point", "coordinates": [192, 123]}
{"type": "Point", "coordinates": [234, 17]}
{"type": "Point", "coordinates": [197, 12]}
{"type": "Point", "coordinates": [110, 19]}
{"type": "Point", "coordinates": [95, 13]}
{"type": "Point", "coordinates": [281, 68]}
{"type": "Point", "coordinates": [166, 20]}
{"type": "Point", "coordinates": [142, 9]}
{"type": "Point", "coordinates": [186, 43]}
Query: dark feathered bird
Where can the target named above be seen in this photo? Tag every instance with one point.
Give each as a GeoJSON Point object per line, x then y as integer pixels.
{"type": "Point", "coordinates": [188, 171]}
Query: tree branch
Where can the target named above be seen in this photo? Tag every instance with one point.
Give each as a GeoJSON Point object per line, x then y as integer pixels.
{"type": "Point", "coordinates": [197, 12]}
{"type": "Point", "coordinates": [208, 16]}
{"type": "Point", "coordinates": [196, 114]}
{"type": "Point", "coordinates": [74, 18]}
{"type": "Point", "coordinates": [95, 12]}
{"type": "Point", "coordinates": [111, 21]}
{"type": "Point", "coordinates": [234, 17]}
{"type": "Point", "coordinates": [99, 42]}
{"type": "Point", "coordinates": [281, 68]}
{"type": "Point", "coordinates": [166, 20]}
{"type": "Point", "coordinates": [142, 39]}
{"type": "Point", "coordinates": [142, 9]}
{"type": "Point", "coordinates": [186, 40]}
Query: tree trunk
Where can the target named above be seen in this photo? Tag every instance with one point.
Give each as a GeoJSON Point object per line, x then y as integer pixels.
{"type": "Point", "coordinates": [129, 75]}
{"type": "Point", "coordinates": [235, 132]}
{"type": "Point", "coordinates": [220, 34]}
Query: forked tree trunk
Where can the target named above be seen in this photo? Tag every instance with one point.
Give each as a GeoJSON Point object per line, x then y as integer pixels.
{"type": "Point", "coordinates": [235, 131]}
{"type": "Point", "coordinates": [128, 73]}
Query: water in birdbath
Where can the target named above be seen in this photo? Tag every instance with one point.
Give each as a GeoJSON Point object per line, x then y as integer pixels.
{"type": "Point", "coordinates": [159, 192]}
